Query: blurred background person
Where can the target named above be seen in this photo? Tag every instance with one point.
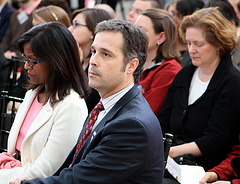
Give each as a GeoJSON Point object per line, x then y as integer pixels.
{"type": "Point", "coordinates": [51, 13]}
{"type": "Point", "coordinates": [6, 10]}
{"type": "Point", "coordinates": [20, 21]}
{"type": "Point", "coordinates": [225, 7]}
{"type": "Point", "coordinates": [107, 8]}
{"type": "Point", "coordinates": [234, 5]}
{"type": "Point", "coordinates": [227, 172]}
{"type": "Point", "coordinates": [162, 63]}
{"type": "Point", "coordinates": [139, 5]}
{"type": "Point", "coordinates": [183, 8]}
{"type": "Point", "coordinates": [38, 142]}
{"type": "Point", "coordinates": [60, 3]}
{"type": "Point", "coordinates": [171, 7]}
{"type": "Point", "coordinates": [201, 109]}
{"type": "Point", "coordinates": [83, 25]}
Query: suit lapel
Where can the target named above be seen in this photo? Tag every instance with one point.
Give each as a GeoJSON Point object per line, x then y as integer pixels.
{"type": "Point", "coordinates": [134, 91]}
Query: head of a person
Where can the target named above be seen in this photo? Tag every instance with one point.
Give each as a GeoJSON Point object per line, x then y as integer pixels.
{"type": "Point", "coordinates": [170, 7]}
{"type": "Point", "coordinates": [51, 58]}
{"type": "Point", "coordinates": [60, 3]}
{"type": "Point", "coordinates": [208, 33]}
{"type": "Point", "coordinates": [24, 4]}
{"type": "Point", "coordinates": [116, 63]}
{"type": "Point", "coordinates": [50, 13]}
{"type": "Point", "coordinates": [186, 7]}
{"type": "Point", "coordinates": [107, 8]}
{"type": "Point", "coordinates": [84, 22]}
{"type": "Point", "coordinates": [161, 31]}
{"type": "Point", "coordinates": [139, 5]}
{"type": "Point", "coordinates": [225, 8]}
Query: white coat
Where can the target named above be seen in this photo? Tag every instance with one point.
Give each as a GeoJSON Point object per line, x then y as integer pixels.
{"type": "Point", "coordinates": [49, 139]}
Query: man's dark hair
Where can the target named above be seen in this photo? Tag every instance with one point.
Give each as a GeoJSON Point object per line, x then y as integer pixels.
{"type": "Point", "coordinates": [135, 42]}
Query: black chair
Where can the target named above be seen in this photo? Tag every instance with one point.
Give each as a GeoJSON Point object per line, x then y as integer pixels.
{"type": "Point", "coordinates": [167, 141]}
{"type": "Point", "coordinates": [14, 63]}
{"type": "Point", "coordinates": [6, 119]}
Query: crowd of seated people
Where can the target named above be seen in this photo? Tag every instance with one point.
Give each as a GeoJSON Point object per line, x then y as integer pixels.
{"type": "Point", "coordinates": [188, 79]}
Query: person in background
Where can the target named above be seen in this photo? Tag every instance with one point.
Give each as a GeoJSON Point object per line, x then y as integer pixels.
{"type": "Point", "coordinates": [6, 11]}
{"type": "Point", "coordinates": [51, 116]}
{"type": "Point", "coordinates": [238, 10]}
{"type": "Point", "coordinates": [50, 13]}
{"type": "Point", "coordinates": [60, 3]}
{"type": "Point", "coordinates": [184, 8]}
{"type": "Point", "coordinates": [20, 21]}
{"type": "Point", "coordinates": [227, 172]}
{"type": "Point", "coordinates": [139, 5]}
{"type": "Point", "coordinates": [83, 25]}
{"type": "Point", "coordinates": [162, 63]}
{"type": "Point", "coordinates": [201, 109]}
{"type": "Point", "coordinates": [234, 5]}
{"type": "Point", "coordinates": [225, 7]}
{"type": "Point", "coordinates": [107, 8]}
{"type": "Point", "coordinates": [171, 7]}
{"type": "Point", "coordinates": [125, 144]}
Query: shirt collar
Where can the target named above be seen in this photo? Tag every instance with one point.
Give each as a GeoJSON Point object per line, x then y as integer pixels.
{"type": "Point", "coordinates": [110, 101]}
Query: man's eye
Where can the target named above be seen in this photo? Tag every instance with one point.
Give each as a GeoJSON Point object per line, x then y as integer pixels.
{"type": "Point", "coordinates": [106, 54]}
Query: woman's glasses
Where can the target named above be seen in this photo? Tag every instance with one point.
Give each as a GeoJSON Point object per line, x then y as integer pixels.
{"type": "Point", "coordinates": [30, 61]}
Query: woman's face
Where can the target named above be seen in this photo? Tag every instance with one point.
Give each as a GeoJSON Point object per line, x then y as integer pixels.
{"type": "Point", "coordinates": [146, 24]}
{"type": "Point", "coordinates": [39, 73]}
{"type": "Point", "coordinates": [202, 53]}
{"type": "Point", "coordinates": [80, 31]}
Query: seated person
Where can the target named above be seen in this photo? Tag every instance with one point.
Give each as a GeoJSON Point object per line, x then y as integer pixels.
{"type": "Point", "coordinates": [180, 9]}
{"type": "Point", "coordinates": [20, 21]}
{"type": "Point", "coordinates": [162, 63]}
{"type": "Point", "coordinates": [201, 109]}
{"type": "Point", "coordinates": [124, 143]}
{"type": "Point", "coordinates": [50, 13]}
{"type": "Point", "coordinates": [84, 22]}
{"type": "Point", "coordinates": [51, 116]}
{"type": "Point", "coordinates": [6, 11]}
{"type": "Point", "coordinates": [227, 171]}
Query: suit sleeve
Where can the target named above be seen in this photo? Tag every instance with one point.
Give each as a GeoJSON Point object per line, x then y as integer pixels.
{"type": "Point", "coordinates": [121, 152]}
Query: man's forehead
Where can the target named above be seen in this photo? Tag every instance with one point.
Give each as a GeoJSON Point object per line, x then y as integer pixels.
{"type": "Point", "coordinates": [108, 40]}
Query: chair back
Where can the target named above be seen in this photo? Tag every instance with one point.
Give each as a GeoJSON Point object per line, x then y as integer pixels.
{"type": "Point", "coordinates": [6, 119]}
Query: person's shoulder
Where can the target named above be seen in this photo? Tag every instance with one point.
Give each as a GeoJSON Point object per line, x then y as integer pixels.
{"type": "Point", "coordinates": [73, 97]}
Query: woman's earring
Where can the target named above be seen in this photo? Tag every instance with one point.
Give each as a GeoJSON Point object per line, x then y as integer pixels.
{"type": "Point", "coordinates": [218, 52]}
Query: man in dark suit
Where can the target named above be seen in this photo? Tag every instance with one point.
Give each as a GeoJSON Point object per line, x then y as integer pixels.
{"type": "Point", "coordinates": [125, 144]}
{"type": "Point", "coordinates": [5, 13]}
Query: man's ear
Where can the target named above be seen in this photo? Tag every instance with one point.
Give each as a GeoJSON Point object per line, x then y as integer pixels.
{"type": "Point", "coordinates": [132, 66]}
{"type": "Point", "coordinates": [161, 38]}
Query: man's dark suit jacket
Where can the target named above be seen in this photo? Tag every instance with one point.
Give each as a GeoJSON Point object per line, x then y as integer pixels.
{"type": "Point", "coordinates": [125, 147]}
{"type": "Point", "coordinates": [5, 15]}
